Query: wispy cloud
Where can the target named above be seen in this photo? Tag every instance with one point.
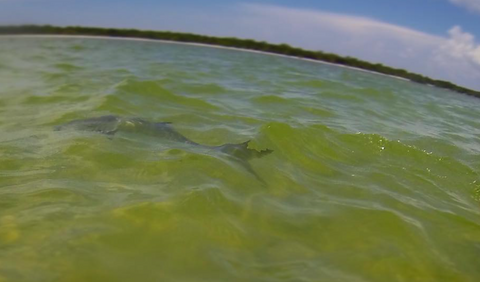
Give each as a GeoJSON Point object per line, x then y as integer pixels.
{"type": "Point", "coordinates": [471, 5]}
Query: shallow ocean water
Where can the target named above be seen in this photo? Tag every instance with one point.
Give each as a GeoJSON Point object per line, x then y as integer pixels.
{"type": "Point", "coordinates": [372, 178]}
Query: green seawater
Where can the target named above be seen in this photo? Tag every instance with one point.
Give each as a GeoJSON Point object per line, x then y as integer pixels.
{"type": "Point", "coordinates": [372, 178]}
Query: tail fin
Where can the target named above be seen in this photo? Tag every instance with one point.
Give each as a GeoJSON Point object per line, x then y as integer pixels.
{"type": "Point", "coordinates": [242, 151]}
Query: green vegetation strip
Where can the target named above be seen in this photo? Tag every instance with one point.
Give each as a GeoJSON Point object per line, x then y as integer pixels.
{"type": "Point", "coordinates": [249, 44]}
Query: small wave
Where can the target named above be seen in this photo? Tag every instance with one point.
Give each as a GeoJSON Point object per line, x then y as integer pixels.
{"type": "Point", "coordinates": [369, 93]}
{"type": "Point", "coordinates": [271, 99]}
{"type": "Point", "coordinates": [55, 99]}
{"type": "Point", "coordinates": [133, 95]}
{"type": "Point", "coordinates": [67, 67]}
{"type": "Point", "coordinates": [202, 89]}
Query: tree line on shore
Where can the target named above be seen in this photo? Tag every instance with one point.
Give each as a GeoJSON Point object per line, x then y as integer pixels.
{"type": "Point", "coordinates": [283, 49]}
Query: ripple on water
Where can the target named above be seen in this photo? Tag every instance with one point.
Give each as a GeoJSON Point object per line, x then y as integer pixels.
{"type": "Point", "coordinates": [149, 95]}
{"type": "Point", "coordinates": [271, 99]}
{"type": "Point", "coordinates": [201, 88]}
{"type": "Point", "coordinates": [67, 67]}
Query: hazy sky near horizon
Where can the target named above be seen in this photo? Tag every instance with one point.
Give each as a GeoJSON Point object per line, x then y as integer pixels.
{"type": "Point", "coordinates": [438, 38]}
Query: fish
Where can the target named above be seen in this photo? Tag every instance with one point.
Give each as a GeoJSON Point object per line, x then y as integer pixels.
{"type": "Point", "coordinates": [110, 125]}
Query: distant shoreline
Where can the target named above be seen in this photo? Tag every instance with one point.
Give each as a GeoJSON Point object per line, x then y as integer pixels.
{"type": "Point", "coordinates": [283, 50]}
{"type": "Point", "coordinates": [194, 44]}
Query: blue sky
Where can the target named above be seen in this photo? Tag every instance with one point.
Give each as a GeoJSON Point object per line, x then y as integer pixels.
{"type": "Point", "coordinates": [438, 38]}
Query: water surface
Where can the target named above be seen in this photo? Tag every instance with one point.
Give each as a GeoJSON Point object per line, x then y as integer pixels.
{"type": "Point", "coordinates": [372, 178]}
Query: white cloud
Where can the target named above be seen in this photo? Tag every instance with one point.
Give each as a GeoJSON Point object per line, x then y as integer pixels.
{"type": "Point", "coordinates": [461, 45]}
{"type": "Point", "coordinates": [458, 58]}
{"type": "Point", "coordinates": [471, 5]}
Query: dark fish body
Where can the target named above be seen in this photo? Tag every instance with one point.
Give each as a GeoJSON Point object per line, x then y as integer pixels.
{"type": "Point", "coordinates": [110, 125]}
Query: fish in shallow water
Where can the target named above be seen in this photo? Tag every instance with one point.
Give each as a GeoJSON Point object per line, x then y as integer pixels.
{"type": "Point", "coordinates": [110, 125]}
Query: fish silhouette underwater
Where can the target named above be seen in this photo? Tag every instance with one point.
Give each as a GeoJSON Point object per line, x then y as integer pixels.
{"type": "Point", "coordinates": [111, 125]}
